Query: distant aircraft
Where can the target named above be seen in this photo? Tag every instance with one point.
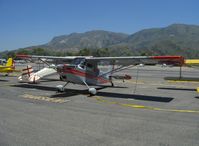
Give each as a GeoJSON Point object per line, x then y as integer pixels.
{"type": "Point", "coordinates": [85, 69]}
{"type": "Point", "coordinates": [8, 68]}
{"type": "Point", "coordinates": [2, 61]}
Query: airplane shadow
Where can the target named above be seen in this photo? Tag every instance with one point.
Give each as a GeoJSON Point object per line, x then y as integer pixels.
{"type": "Point", "coordinates": [49, 80]}
{"type": "Point", "coordinates": [197, 97]}
{"type": "Point", "coordinates": [66, 93]}
{"type": "Point", "coordinates": [108, 86]}
{"type": "Point", "coordinates": [181, 89]}
{"type": "Point", "coordinates": [33, 86]}
{"type": "Point", "coordinates": [136, 97]}
{"type": "Point", "coordinates": [183, 78]}
{"type": "Point", "coordinates": [73, 92]}
{"type": "Point", "coordinates": [3, 80]}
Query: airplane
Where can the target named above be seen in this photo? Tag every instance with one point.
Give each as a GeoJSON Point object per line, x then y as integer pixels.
{"type": "Point", "coordinates": [85, 69]}
{"type": "Point", "coordinates": [8, 68]}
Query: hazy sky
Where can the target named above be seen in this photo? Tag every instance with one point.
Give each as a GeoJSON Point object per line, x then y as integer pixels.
{"type": "Point", "coordinates": [32, 22]}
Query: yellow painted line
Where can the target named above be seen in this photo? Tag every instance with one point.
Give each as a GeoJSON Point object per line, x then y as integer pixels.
{"type": "Point", "coordinates": [197, 89]}
{"type": "Point", "coordinates": [98, 98]}
{"type": "Point", "coordinates": [44, 98]}
{"type": "Point", "coordinates": [178, 81]}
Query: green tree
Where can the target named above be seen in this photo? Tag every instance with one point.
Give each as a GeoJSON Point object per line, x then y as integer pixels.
{"type": "Point", "coordinates": [23, 51]}
{"type": "Point", "coordinates": [85, 52]}
{"type": "Point", "coordinates": [101, 52]}
{"type": "Point", "coordinates": [40, 51]}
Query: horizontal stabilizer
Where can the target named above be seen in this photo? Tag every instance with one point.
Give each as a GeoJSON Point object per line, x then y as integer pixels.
{"type": "Point", "coordinates": [29, 76]}
{"type": "Point", "coordinates": [40, 74]}
{"type": "Point", "coordinates": [45, 72]}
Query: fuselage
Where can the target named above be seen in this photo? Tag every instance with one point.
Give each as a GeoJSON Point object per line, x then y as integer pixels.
{"type": "Point", "coordinates": [81, 72]}
{"type": "Point", "coordinates": [6, 70]}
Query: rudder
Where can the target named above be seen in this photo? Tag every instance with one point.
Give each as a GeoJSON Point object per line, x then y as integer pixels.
{"type": "Point", "coordinates": [26, 73]}
{"type": "Point", "coordinates": [10, 62]}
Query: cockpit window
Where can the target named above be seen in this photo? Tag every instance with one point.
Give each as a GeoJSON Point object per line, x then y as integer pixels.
{"type": "Point", "coordinates": [77, 61]}
{"type": "Point", "coordinates": [80, 62]}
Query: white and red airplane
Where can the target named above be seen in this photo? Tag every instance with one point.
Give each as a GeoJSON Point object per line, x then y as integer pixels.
{"type": "Point", "coordinates": [85, 69]}
{"type": "Point", "coordinates": [28, 75]}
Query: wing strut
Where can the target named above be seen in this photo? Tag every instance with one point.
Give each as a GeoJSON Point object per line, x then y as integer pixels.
{"type": "Point", "coordinates": [137, 73]}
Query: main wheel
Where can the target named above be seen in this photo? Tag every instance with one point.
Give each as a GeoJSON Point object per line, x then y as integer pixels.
{"type": "Point", "coordinates": [92, 91]}
{"type": "Point", "coordinates": [60, 88]}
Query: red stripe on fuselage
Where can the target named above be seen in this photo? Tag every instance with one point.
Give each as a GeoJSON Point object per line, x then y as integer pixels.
{"type": "Point", "coordinates": [86, 75]}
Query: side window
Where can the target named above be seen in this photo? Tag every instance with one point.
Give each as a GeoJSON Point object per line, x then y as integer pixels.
{"type": "Point", "coordinates": [82, 64]}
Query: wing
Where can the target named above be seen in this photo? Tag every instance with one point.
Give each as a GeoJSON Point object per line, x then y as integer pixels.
{"type": "Point", "coordinates": [130, 60]}
{"type": "Point", "coordinates": [45, 57]}
{"type": "Point", "coordinates": [134, 60]}
{"type": "Point", "coordinates": [50, 59]}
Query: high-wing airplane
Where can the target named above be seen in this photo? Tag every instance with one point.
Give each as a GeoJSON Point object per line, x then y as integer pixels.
{"type": "Point", "coordinates": [85, 69]}
{"type": "Point", "coordinates": [8, 68]}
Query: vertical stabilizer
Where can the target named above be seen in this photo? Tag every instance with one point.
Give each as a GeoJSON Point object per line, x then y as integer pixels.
{"type": "Point", "coordinates": [26, 73]}
{"type": "Point", "coordinates": [10, 62]}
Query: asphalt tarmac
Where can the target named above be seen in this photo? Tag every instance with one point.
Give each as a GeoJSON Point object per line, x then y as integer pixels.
{"type": "Point", "coordinates": [146, 110]}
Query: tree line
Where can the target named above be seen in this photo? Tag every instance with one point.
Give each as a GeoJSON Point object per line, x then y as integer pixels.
{"type": "Point", "coordinates": [101, 52]}
{"type": "Point", "coordinates": [47, 52]}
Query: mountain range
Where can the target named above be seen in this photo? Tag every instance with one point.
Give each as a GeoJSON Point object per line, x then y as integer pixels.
{"type": "Point", "coordinates": [175, 39]}
{"type": "Point", "coordinates": [91, 39]}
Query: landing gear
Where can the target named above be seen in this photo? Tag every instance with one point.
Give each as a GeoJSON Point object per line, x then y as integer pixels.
{"type": "Point", "coordinates": [111, 81]}
{"type": "Point", "coordinates": [92, 91]}
{"type": "Point", "coordinates": [60, 88]}
{"type": "Point", "coordinates": [112, 85]}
